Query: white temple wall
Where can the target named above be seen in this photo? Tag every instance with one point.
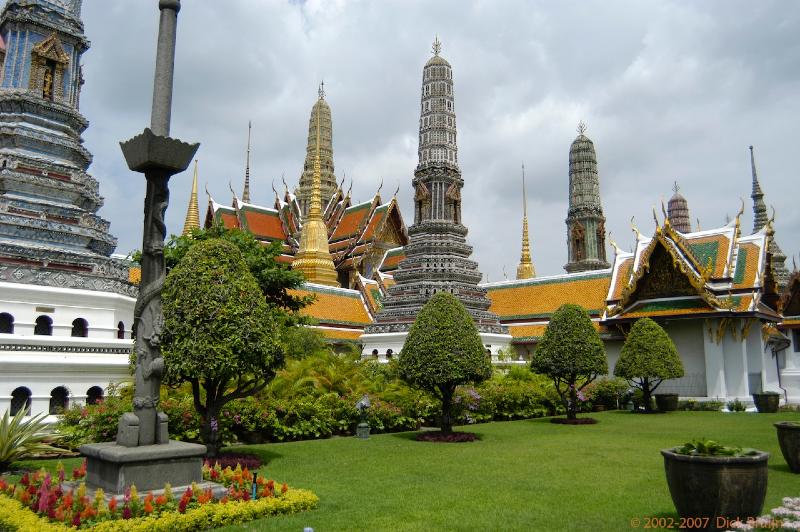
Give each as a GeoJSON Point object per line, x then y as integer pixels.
{"type": "Point", "coordinates": [42, 363]}
{"type": "Point", "coordinates": [687, 335]}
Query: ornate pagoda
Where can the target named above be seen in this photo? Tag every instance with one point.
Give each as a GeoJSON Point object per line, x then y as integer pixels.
{"type": "Point", "coordinates": [50, 233]}
{"type": "Point", "coordinates": [437, 256]}
{"type": "Point", "coordinates": [586, 225]}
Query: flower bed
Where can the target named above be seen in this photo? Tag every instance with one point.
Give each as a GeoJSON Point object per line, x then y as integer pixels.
{"type": "Point", "coordinates": [785, 517]}
{"type": "Point", "coordinates": [40, 502]}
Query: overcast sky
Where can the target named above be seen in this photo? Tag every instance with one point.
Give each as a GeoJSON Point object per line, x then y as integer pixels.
{"type": "Point", "coordinates": [669, 90]}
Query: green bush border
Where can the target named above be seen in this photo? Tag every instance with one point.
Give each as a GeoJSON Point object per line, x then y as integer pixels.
{"type": "Point", "coordinates": [16, 517]}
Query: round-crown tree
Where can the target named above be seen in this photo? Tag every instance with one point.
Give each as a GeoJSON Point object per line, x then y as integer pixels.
{"type": "Point", "coordinates": [648, 358]}
{"type": "Point", "coordinates": [220, 335]}
{"type": "Point", "coordinates": [571, 353]}
{"type": "Point", "coordinates": [443, 349]}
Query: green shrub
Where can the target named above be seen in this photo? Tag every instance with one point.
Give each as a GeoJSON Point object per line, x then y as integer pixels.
{"type": "Point", "coordinates": [736, 406]}
{"type": "Point", "coordinates": [704, 447]}
{"type": "Point", "coordinates": [22, 438]}
{"type": "Point", "coordinates": [607, 391]}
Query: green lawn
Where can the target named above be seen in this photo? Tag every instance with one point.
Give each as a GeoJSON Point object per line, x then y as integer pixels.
{"type": "Point", "coordinates": [522, 475]}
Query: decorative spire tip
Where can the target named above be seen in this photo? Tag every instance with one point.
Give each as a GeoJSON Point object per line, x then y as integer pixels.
{"type": "Point", "coordinates": [581, 127]}
{"type": "Point", "coordinates": [437, 46]}
{"type": "Point", "coordinates": [321, 90]}
{"type": "Point", "coordinates": [675, 187]}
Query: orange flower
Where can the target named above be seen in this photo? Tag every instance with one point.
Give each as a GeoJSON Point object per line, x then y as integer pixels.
{"type": "Point", "coordinates": [148, 506]}
{"type": "Point", "coordinates": [161, 500]}
{"type": "Point", "coordinates": [112, 506]}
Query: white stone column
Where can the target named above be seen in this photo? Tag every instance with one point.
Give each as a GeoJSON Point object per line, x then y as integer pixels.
{"type": "Point", "coordinates": [715, 362]}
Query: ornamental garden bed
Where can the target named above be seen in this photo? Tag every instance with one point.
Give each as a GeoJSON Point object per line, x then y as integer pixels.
{"type": "Point", "coordinates": [44, 501]}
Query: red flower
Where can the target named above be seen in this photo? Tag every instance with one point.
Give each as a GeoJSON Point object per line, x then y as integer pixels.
{"type": "Point", "coordinates": [76, 521]}
{"type": "Point", "coordinates": [126, 513]}
{"type": "Point", "coordinates": [182, 505]}
{"type": "Point", "coordinates": [112, 505]}
{"type": "Point", "coordinates": [284, 488]}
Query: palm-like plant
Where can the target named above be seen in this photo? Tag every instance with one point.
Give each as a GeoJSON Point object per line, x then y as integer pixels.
{"type": "Point", "coordinates": [20, 438]}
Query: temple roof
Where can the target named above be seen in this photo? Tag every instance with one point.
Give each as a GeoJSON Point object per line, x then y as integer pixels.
{"type": "Point", "coordinates": [540, 297]}
{"type": "Point", "coordinates": [340, 313]}
{"type": "Point", "coordinates": [710, 273]}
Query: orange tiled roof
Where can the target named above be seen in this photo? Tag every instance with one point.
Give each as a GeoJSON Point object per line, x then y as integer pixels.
{"type": "Point", "coordinates": [351, 335]}
{"type": "Point", "coordinates": [229, 220]}
{"type": "Point", "coordinates": [377, 217]}
{"type": "Point", "coordinates": [623, 277]}
{"type": "Point", "coordinates": [528, 333]}
{"type": "Point", "coordinates": [352, 220]}
{"type": "Point", "coordinates": [263, 224]}
{"type": "Point", "coordinates": [541, 297]}
{"type": "Point", "coordinates": [335, 306]}
{"type": "Point", "coordinates": [392, 259]}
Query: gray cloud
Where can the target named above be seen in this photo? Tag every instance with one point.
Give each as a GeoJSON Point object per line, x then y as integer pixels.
{"type": "Point", "coordinates": [670, 90]}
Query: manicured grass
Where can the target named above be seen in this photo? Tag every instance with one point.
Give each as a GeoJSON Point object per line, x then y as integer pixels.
{"type": "Point", "coordinates": [522, 475]}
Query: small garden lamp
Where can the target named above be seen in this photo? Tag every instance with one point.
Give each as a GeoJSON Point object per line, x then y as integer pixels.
{"type": "Point", "coordinates": [362, 430]}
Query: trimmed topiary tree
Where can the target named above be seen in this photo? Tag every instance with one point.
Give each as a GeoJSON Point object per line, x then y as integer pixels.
{"type": "Point", "coordinates": [648, 358]}
{"type": "Point", "coordinates": [571, 353]}
{"type": "Point", "coordinates": [220, 334]}
{"type": "Point", "coordinates": [443, 349]}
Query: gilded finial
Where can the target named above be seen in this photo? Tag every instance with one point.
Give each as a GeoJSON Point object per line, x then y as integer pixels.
{"type": "Point", "coordinates": [192, 212]}
{"type": "Point", "coordinates": [379, 187]}
{"type": "Point", "coordinates": [277, 196]}
{"type": "Point", "coordinates": [525, 269]}
{"type": "Point", "coordinates": [437, 46]}
{"type": "Point", "coordinates": [396, 191]}
{"type": "Point", "coordinates": [655, 217]}
{"type": "Point", "coordinates": [582, 127]}
{"type": "Point", "coordinates": [698, 225]}
{"type": "Point", "coordinates": [614, 244]}
{"type": "Point", "coordinates": [283, 179]}
{"type": "Point", "coordinates": [664, 212]}
{"type": "Point", "coordinates": [321, 91]}
{"type": "Point", "coordinates": [675, 187]}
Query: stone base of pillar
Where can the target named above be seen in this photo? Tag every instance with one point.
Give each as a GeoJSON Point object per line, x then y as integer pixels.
{"type": "Point", "coordinates": [114, 468]}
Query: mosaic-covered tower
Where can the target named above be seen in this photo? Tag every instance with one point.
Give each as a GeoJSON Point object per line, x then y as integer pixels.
{"type": "Point", "coordinates": [320, 133]}
{"type": "Point", "coordinates": [437, 256]}
{"type": "Point", "coordinates": [50, 233]}
{"type": "Point", "coordinates": [586, 225]}
{"type": "Point", "coordinates": [760, 219]}
{"type": "Point", "coordinates": [678, 211]}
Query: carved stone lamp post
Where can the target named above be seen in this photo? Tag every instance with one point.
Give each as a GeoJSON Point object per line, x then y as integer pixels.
{"type": "Point", "coordinates": [143, 454]}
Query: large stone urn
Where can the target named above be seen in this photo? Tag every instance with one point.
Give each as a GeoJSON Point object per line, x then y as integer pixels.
{"type": "Point", "coordinates": [716, 489]}
{"type": "Point", "coordinates": [789, 439]}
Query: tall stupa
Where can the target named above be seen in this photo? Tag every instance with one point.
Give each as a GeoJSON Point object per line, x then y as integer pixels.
{"type": "Point", "coordinates": [437, 256]}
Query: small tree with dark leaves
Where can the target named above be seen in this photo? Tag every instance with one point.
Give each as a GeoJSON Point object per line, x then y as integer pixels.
{"type": "Point", "coordinates": [221, 336]}
{"type": "Point", "coordinates": [571, 353]}
{"type": "Point", "coordinates": [443, 349]}
{"type": "Point", "coordinates": [648, 358]}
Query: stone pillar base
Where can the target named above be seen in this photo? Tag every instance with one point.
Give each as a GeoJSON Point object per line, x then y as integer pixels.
{"type": "Point", "coordinates": [114, 468]}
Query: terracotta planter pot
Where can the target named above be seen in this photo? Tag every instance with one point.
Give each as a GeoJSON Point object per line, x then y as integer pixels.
{"type": "Point", "coordinates": [716, 489]}
{"type": "Point", "coordinates": [789, 439]}
{"type": "Point", "coordinates": [767, 403]}
{"type": "Point", "coordinates": [667, 402]}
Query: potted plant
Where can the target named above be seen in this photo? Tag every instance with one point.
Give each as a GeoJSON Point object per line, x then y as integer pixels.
{"type": "Point", "coordinates": [767, 402]}
{"type": "Point", "coordinates": [789, 439]}
{"type": "Point", "coordinates": [667, 402]}
{"type": "Point", "coordinates": [716, 483]}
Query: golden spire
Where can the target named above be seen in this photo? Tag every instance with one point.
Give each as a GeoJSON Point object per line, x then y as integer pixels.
{"type": "Point", "coordinates": [246, 191]}
{"type": "Point", "coordinates": [193, 212]}
{"type": "Point", "coordinates": [525, 270]}
{"type": "Point", "coordinates": [314, 258]}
